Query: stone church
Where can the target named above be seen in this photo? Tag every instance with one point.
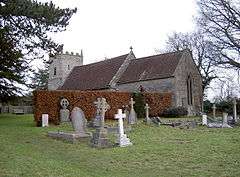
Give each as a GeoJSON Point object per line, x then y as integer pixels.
{"type": "Point", "coordinates": [173, 72]}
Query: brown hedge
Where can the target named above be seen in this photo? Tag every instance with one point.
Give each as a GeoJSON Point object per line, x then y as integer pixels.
{"type": "Point", "coordinates": [48, 102]}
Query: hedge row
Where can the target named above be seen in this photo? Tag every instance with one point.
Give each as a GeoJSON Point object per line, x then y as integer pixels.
{"type": "Point", "coordinates": [48, 102]}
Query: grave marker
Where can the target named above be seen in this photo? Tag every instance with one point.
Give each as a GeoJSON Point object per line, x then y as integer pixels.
{"type": "Point", "coordinates": [44, 120]}
{"type": "Point", "coordinates": [123, 141]}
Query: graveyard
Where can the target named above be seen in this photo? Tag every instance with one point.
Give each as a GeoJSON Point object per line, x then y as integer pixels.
{"type": "Point", "coordinates": [26, 150]}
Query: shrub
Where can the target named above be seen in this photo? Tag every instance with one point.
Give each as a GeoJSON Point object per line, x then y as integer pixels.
{"type": "Point", "coordinates": [139, 105]}
{"type": "Point", "coordinates": [175, 112]}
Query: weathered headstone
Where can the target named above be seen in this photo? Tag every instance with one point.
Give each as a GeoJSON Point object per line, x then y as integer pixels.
{"type": "Point", "coordinates": [132, 118]}
{"type": "Point", "coordinates": [147, 119]}
{"type": "Point", "coordinates": [44, 120]}
{"type": "Point", "coordinates": [64, 112]}
{"type": "Point", "coordinates": [235, 110]}
{"type": "Point", "coordinates": [214, 110]}
{"type": "Point", "coordinates": [122, 140]}
{"type": "Point", "coordinates": [79, 125]}
{"type": "Point", "coordinates": [79, 121]}
{"type": "Point", "coordinates": [100, 139]}
{"type": "Point", "coordinates": [204, 119]}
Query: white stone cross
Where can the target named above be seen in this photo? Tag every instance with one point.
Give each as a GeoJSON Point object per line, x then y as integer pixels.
{"type": "Point", "coordinates": [44, 120]}
{"type": "Point", "coordinates": [122, 139]}
{"type": "Point", "coordinates": [235, 110]}
{"type": "Point", "coordinates": [120, 116]}
{"type": "Point", "coordinates": [214, 110]}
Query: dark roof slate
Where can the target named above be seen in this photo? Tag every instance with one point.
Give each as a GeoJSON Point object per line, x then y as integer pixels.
{"type": "Point", "coordinates": [93, 76]}
{"type": "Point", "coordinates": [152, 67]}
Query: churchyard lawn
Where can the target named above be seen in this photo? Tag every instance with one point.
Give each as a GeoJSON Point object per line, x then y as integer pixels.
{"type": "Point", "coordinates": [26, 151]}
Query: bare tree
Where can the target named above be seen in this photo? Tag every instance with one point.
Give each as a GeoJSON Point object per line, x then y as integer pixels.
{"type": "Point", "coordinates": [201, 50]}
{"type": "Point", "coordinates": [220, 19]}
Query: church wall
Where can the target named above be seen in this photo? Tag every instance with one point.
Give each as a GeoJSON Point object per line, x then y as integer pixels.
{"type": "Point", "coordinates": [187, 67]}
{"type": "Point", "coordinates": [158, 85]}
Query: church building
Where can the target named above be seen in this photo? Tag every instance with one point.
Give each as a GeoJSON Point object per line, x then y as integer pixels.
{"type": "Point", "coordinates": [173, 72]}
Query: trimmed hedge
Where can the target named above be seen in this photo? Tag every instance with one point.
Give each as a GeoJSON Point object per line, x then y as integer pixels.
{"type": "Point", "coordinates": [48, 102]}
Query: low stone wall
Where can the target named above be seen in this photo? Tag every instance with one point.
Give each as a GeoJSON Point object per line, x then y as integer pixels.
{"type": "Point", "coordinates": [48, 102]}
{"type": "Point", "coordinates": [10, 109]}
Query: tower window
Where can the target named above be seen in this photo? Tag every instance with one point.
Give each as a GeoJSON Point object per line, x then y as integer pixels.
{"type": "Point", "coordinates": [55, 71]}
{"type": "Point", "coordinates": [68, 67]}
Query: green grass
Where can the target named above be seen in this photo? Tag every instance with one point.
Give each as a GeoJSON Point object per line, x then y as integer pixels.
{"type": "Point", "coordinates": [26, 151]}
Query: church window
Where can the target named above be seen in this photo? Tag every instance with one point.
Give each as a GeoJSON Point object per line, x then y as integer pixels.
{"type": "Point", "coordinates": [55, 71]}
{"type": "Point", "coordinates": [189, 91]}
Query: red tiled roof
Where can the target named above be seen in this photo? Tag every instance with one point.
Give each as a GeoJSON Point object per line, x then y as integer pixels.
{"type": "Point", "coordinates": [94, 76]}
{"type": "Point", "coordinates": [152, 67]}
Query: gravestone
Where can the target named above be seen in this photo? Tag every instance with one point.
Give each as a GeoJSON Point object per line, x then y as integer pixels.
{"type": "Point", "coordinates": [223, 124]}
{"type": "Point", "coordinates": [100, 139]}
{"type": "Point", "coordinates": [79, 123]}
{"type": "Point", "coordinates": [97, 119]}
{"type": "Point", "coordinates": [44, 120]}
{"type": "Point", "coordinates": [122, 140]}
{"type": "Point", "coordinates": [132, 118]}
{"type": "Point", "coordinates": [156, 120]}
{"type": "Point", "coordinates": [225, 121]}
{"type": "Point", "coordinates": [204, 119]}
{"type": "Point", "coordinates": [235, 110]}
{"type": "Point", "coordinates": [147, 119]}
{"type": "Point", "coordinates": [64, 112]}
{"type": "Point", "coordinates": [214, 110]}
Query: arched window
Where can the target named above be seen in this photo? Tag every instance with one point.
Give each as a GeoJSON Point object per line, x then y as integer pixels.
{"type": "Point", "coordinates": [189, 90]}
{"type": "Point", "coordinates": [55, 71]}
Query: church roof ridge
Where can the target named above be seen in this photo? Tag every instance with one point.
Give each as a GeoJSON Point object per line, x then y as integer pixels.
{"type": "Point", "coordinates": [110, 59]}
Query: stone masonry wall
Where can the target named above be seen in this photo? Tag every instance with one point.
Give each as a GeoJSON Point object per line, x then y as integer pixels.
{"type": "Point", "coordinates": [64, 64]}
{"type": "Point", "coordinates": [187, 67]}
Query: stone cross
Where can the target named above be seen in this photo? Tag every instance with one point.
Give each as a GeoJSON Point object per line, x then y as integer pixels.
{"type": "Point", "coordinates": [147, 119]}
{"type": "Point", "coordinates": [120, 116]}
{"type": "Point", "coordinates": [44, 120]}
{"type": "Point", "coordinates": [131, 103]}
{"type": "Point", "coordinates": [64, 112]}
{"type": "Point", "coordinates": [235, 110]}
{"type": "Point", "coordinates": [132, 117]}
{"type": "Point", "coordinates": [122, 139]}
{"type": "Point", "coordinates": [98, 104]}
{"type": "Point", "coordinates": [64, 103]}
{"type": "Point", "coordinates": [104, 106]}
{"type": "Point", "coordinates": [214, 110]}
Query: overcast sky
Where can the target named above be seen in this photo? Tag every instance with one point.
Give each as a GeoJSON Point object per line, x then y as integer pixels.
{"type": "Point", "coordinates": [107, 28]}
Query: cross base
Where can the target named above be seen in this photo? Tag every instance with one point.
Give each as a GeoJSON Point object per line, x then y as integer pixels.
{"type": "Point", "coordinates": [124, 141]}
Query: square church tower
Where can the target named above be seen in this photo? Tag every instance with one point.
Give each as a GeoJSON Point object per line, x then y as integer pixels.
{"type": "Point", "coordinates": [60, 67]}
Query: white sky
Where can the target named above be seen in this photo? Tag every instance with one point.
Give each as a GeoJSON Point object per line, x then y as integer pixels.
{"type": "Point", "coordinates": [107, 28]}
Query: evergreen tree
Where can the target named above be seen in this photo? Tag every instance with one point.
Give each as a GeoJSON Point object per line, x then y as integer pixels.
{"type": "Point", "coordinates": [25, 26]}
